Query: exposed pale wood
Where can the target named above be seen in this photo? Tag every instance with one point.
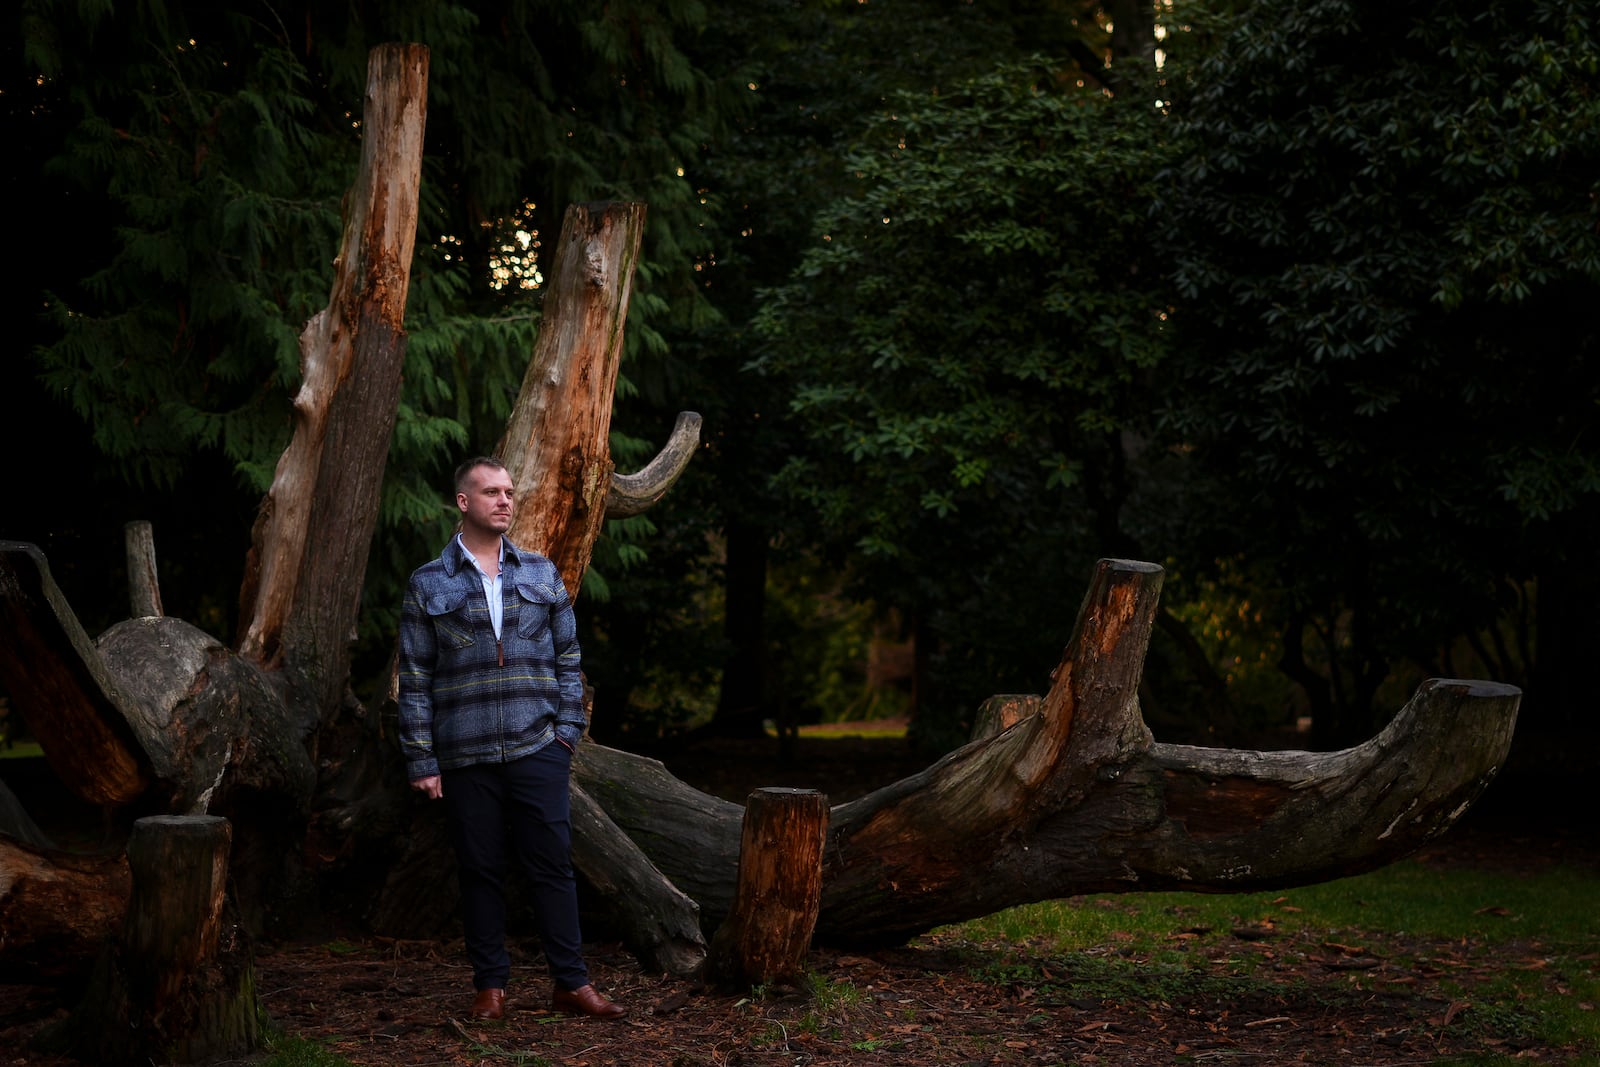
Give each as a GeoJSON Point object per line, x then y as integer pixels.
{"type": "Point", "coordinates": [1000, 713]}
{"type": "Point", "coordinates": [144, 587]}
{"type": "Point", "coordinates": [779, 890]}
{"type": "Point", "coordinates": [309, 547]}
{"type": "Point", "coordinates": [634, 494]}
{"type": "Point", "coordinates": [557, 441]}
{"type": "Point", "coordinates": [56, 682]}
{"type": "Point", "coordinates": [56, 909]}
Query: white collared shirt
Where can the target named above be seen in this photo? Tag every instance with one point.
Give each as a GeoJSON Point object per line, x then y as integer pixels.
{"type": "Point", "coordinates": [491, 586]}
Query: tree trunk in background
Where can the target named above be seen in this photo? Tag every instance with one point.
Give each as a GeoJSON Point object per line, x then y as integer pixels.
{"type": "Point", "coordinates": [742, 701]}
{"type": "Point", "coordinates": [302, 589]}
{"type": "Point", "coordinates": [557, 445]}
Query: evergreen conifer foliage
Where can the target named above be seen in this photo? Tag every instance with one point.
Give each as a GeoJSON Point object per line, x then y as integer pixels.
{"type": "Point", "coordinates": [220, 202]}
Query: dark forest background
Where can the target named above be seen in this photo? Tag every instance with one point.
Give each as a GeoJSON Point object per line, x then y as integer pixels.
{"type": "Point", "coordinates": [1294, 300]}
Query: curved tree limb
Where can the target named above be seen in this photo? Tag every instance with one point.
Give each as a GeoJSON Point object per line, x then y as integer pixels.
{"type": "Point", "coordinates": [634, 494]}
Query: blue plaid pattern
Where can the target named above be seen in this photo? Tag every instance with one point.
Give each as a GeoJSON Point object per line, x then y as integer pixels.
{"type": "Point", "coordinates": [467, 699]}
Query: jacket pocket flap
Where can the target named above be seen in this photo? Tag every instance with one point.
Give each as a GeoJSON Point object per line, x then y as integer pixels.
{"type": "Point", "coordinates": [444, 603]}
{"type": "Point", "coordinates": [538, 593]}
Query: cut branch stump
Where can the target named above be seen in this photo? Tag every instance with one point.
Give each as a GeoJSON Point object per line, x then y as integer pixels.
{"type": "Point", "coordinates": [779, 891]}
{"type": "Point", "coordinates": [144, 587]}
{"type": "Point", "coordinates": [178, 986]}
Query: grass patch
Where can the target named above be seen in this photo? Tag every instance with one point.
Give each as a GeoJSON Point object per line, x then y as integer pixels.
{"type": "Point", "coordinates": [1514, 957]}
{"type": "Point", "coordinates": [287, 1050]}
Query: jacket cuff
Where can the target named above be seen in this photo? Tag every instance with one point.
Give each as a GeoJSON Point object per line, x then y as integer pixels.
{"type": "Point", "coordinates": [569, 733]}
{"type": "Point", "coordinates": [417, 770]}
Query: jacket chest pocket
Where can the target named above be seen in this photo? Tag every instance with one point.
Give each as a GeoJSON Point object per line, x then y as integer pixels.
{"type": "Point", "coordinates": [448, 613]}
{"type": "Point", "coordinates": [535, 602]}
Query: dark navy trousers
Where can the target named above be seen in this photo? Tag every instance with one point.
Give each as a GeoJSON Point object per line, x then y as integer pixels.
{"type": "Point", "coordinates": [525, 805]}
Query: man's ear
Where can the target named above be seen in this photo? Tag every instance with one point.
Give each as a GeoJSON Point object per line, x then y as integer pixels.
{"type": "Point", "coordinates": [461, 502]}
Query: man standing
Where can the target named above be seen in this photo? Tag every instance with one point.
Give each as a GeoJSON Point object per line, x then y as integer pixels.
{"type": "Point", "coordinates": [491, 711]}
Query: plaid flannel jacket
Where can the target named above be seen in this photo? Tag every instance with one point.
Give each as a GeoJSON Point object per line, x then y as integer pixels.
{"type": "Point", "coordinates": [466, 698]}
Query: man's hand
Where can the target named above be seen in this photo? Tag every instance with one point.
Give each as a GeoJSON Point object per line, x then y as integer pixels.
{"type": "Point", "coordinates": [432, 787]}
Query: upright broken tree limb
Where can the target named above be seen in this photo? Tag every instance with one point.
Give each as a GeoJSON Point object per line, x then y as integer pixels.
{"type": "Point", "coordinates": [161, 713]}
{"type": "Point", "coordinates": [144, 588]}
{"type": "Point", "coordinates": [557, 445]}
{"type": "Point", "coordinates": [775, 903]}
{"type": "Point", "coordinates": [309, 549]}
{"type": "Point", "coordinates": [557, 450]}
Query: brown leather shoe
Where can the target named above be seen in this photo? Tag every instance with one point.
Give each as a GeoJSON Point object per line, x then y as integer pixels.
{"type": "Point", "coordinates": [585, 1001]}
{"type": "Point", "coordinates": [489, 1004]}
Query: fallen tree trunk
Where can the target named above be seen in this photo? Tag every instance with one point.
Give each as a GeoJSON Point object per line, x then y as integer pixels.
{"type": "Point", "coordinates": [659, 924]}
{"type": "Point", "coordinates": [1072, 797]}
{"type": "Point", "coordinates": [1075, 797]}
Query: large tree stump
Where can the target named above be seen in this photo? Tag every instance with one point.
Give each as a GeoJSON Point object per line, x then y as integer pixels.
{"type": "Point", "coordinates": [179, 985]}
{"type": "Point", "coordinates": [775, 904]}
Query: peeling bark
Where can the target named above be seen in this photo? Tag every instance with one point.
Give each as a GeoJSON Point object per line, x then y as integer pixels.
{"type": "Point", "coordinates": [298, 606]}
{"type": "Point", "coordinates": [557, 445]}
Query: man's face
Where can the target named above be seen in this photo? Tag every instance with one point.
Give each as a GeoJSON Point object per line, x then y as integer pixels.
{"type": "Point", "coordinates": [486, 505]}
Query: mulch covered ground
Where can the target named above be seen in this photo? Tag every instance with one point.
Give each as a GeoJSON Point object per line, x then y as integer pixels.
{"type": "Point", "coordinates": [937, 1001]}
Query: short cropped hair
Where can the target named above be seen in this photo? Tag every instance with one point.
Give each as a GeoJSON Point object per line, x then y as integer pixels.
{"type": "Point", "coordinates": [473, 464]}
